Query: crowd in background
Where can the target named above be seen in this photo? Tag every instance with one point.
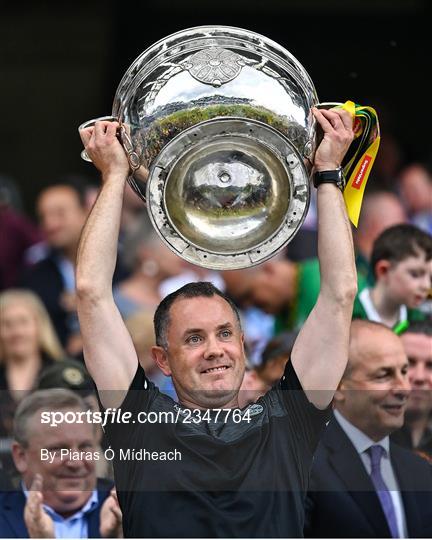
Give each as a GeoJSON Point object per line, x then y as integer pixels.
{"type": "Point", "coordinates": [40, 342]}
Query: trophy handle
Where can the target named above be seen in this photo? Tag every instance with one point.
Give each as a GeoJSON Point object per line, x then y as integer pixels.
{"type": "Point", "coordinates": [328, 105]}
{"type": "Point", "coordinates": [366, 135]}
{"type": "Point", "coordinates": [123, 136]}
{"type": "Point", "coordinates": [358, 118]}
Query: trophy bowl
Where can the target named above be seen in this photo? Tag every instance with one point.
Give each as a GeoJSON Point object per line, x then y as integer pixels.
{"type": "Point", "coordinates": [217, 125]}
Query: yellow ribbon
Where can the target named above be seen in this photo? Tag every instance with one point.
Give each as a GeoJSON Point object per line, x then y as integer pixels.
{"type": "Point", "coordinates": [360, 156]}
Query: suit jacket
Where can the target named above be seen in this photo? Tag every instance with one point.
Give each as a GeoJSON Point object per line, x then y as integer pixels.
{"type": "Point", "coordinates": [12, 505]}
{"type": "Point", "coordinates": [342, 502]}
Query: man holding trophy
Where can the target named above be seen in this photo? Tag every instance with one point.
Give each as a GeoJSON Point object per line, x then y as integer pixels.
{"type": "Point", "coordinates": [236, 478]}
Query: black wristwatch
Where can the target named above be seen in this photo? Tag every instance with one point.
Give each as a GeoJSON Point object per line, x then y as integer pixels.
{"type": "Point", "coordinates": [330, 177]}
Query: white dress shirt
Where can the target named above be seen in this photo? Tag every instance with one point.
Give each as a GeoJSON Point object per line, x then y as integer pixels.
{"type": "Point", "coordinates": [362, 443]}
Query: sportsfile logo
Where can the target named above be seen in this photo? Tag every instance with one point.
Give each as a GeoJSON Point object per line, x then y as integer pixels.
{"type": "Point", "coordinates": [358, 180]}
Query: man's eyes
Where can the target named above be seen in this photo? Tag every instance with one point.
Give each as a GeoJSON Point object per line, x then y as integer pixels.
{"type": "Point", "coordinates": [86, 446]}
{"type": "Point", "coordinates": [382, 375]}
{"type": "Point", "coordinates": [413, 363]}
{"type": "Point", "coordinates": [387, 374]}
{"type": "Point", "coordinates": [194, 339]}
{"type": "Point", "coordinates": [56, 450]}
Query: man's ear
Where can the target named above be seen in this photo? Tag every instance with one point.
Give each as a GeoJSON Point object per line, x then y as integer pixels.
{"type": "Point", "coordinates": [19, 456]}
{"type": "Point", "coordinates": [339, 396]}
{"type": "Point", "coordinates": [160, 356]}
{"type": "Point", "coordinates": [382, 267]}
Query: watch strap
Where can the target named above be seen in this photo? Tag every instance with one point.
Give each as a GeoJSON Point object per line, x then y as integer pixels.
{"type": "Point", "coordinates": [335, 176]}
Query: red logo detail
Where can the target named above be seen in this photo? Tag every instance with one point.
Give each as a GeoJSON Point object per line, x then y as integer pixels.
{"type": "Point", "coordinates": [358, 180]}
{"type": "Point", "coordinates": [357, 125]}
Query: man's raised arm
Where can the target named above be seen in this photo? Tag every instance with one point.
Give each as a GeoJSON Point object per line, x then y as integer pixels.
{"type": "Point", "coordinates": [108, 350]}
{"type": "Point", "coordinates": [320, 353]}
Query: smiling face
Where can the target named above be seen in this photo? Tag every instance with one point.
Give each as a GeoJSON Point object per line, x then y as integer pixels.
{"type": "Point", "coordinates": [67, 484]}
{"type": "Point", "coordinates": [409, 281]}
{"type": "Point", "coordinates": [205, 355]}
{"type": "Point", "coordinates": [373, 393]}
{"type": "Point", "coordinates": [418, 348]}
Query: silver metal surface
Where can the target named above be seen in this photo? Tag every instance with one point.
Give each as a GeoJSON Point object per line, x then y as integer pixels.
{"type": "Point", "coordinates": [91, 123]}
{"type": "Point", "coordinates": [220, 126]}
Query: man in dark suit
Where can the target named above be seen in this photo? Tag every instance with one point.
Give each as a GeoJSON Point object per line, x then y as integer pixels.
{"type": "Point", "coordinates": [58, 496]}
{"type": "Point", "coordinates": [62, 213]}
{"type": "Point", "coordinates": [363, 485]}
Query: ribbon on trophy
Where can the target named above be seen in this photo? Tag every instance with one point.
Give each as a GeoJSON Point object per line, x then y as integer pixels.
{"type": "Point", "coordinates": [360, 157]}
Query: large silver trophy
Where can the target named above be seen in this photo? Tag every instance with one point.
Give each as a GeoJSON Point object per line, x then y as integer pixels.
{"type": "Point", "coordinates": [217, 125]}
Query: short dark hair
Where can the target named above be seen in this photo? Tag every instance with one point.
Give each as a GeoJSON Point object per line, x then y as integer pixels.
{"type": "Point", "coordinates": [75, 183]}
{"type": "Point", "coordinates": [190, 290]}
{"type": "Point", "coordinates": [400, 242]}
{"type": "Point", "coordinates": [419, 327]}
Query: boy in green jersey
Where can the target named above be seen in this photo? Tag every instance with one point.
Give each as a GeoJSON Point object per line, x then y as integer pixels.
{"type": "Point", "coordinates": [401, 262]}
